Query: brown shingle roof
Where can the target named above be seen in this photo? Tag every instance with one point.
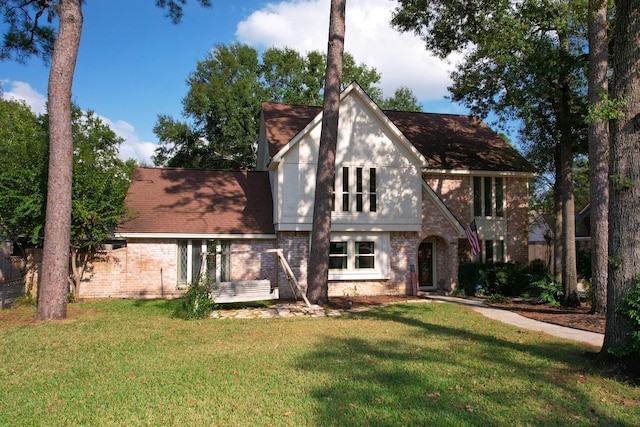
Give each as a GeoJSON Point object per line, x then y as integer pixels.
{"type": "Point", "coordinates": [199, 202]}
{"type": "Point", "coordinates": [447, 141]}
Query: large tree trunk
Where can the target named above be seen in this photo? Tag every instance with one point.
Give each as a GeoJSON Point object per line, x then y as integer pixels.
{"type": "Point", "coordinates": [624, 189]}
{"type": "Point", "coordinates": [318, 271]}
{"type": "Point", "coordinates": [54, 282]}
{"type": "Point", "coordinates": [557, 218]}
{"type": "Point", "coordinates": [598, 91]}
{"type": "Point", "coordinates": [564, 116]}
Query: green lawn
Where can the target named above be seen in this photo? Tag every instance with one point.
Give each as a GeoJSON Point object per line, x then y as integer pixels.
{"type": "Point", "coordinates": [428, 364]}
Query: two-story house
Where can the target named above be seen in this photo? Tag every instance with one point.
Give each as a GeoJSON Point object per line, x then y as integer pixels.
{"type": "Point", "coordinates": [406, 187]}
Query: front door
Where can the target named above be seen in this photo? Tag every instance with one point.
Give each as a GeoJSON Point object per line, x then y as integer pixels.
{"type": "Point", "coordinates": [426, 270]}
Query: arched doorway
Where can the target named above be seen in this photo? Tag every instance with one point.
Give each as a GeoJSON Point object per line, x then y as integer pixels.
{"type": "Point", "coordinates": [427, 265]}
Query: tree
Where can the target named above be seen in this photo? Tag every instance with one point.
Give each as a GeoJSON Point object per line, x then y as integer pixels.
{"type": "Point", "coordinates": [598, 93]}
{"type": "Point", "coordinates": [100, 182]}
{"type": "Point", "coordinates": [318, 271]}
{"type": "Point", "coordinates": [624, 184]}
{"type": "Point", "coordinates": [222, 106]}
{"type": "Point", "coordinates": [523, 61]}
{"type": "Point", "coordinates": [26, 37]}
{"type": "Point", "coordinates": [23, 176]}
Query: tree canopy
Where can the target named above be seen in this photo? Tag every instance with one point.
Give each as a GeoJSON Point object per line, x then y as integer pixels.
{"type": "Point", "coordinates": [222, 106]}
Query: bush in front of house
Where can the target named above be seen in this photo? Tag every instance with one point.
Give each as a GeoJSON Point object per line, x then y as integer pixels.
{"type": "Point", "coordinates": [197, 302]}
{"type": "Point", "coordinates": [507, 279]}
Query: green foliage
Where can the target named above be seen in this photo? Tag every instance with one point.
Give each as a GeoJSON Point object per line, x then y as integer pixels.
{"type": "Point", "coordinates": [630, 309]}
{"type": "Point", "coordinates": [23, 175]}
{"type": "Point", "coordinates": [608, 109]}
{"type": "Point", "coordinates": [583, 264]}
{"type": "Point", "coordinates": [197, 302]}
{"type": "Point", "coordinates": [507, 279]}
{"type": "Point", "coordinates": [548, 290]}
{"type": "Point", "coordinates": [497, 298]}
{"type": "Point", "coordinates": [222, 106]}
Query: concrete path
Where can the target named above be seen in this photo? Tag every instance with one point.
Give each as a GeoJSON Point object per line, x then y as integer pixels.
{"type": "Point", "coordinates": [515, 319]}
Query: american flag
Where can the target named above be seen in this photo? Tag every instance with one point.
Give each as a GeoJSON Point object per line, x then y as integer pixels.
{"type": "Point", "coordinates": [472, 237]}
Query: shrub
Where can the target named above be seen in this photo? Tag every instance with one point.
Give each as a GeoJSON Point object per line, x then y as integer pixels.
{"type": "Point", "coordinates": [548, 290]}
{"type": "Point", "coordinates": [197, 302]}
{"type": "Point", "coordinates": [498, 299]}
{"type": "Point", "coordinates": [630, 308]}
{"type": "Point", "coordinates": [508, 279]}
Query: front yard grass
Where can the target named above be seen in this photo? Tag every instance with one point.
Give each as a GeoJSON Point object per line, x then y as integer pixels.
{"type": "Point", "coordinates": [130, 363]}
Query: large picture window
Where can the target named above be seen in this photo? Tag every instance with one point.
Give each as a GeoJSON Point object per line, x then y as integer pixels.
{"type": "Point", "coordinates": [488, 196]}
{"type": "Point", "coordinates": [355, 256]}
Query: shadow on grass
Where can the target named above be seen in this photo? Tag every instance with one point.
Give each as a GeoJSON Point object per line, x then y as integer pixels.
{"type": "Point", "coordinates": [436, 374]}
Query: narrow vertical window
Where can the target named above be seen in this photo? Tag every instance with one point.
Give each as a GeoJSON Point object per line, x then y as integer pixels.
{"type": "Point", "coordinates": [345, 189]}
{"type": "Point", "coordinates": [372, 190]}
{"type": "Point", "coordinates": [333, 194]}
{"type": "Point", "coordinates": [488, 198]}
{"type": "Point", "coordinates": [196, 259]}
{"type": "Point", "coordinates": [182, 262]}
{"type": "Point", "coordinates": [488, 250]}
{"type": "Point", "coordinates": [359, 187]}
{"type": "Point", "coordinates": [477, 196]}
{"type": "Point", "coordinates": [500, 251]}
{"type": "Point", "coordinates": [499, 196]}
{"type": "Point", "coordinates": [338, 255]}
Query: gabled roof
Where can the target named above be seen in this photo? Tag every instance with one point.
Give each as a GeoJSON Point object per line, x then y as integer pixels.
{"type": "Point", "coordinates": [448, 142]}
{"type": "Point", "coordinates": [199, 203]}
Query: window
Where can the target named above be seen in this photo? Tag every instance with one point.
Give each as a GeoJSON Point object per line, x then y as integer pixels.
{"type": "Point", "coordinates": [492, 251]}
{"type": "Point", "coordinates": [192, 253]}
{"type": "Point", "coordinates": [355, 256]}
{"type": "Point", "coordinates": [488, 196]}
{"type": "Point", "coordinates": [338, 255]}
{"type": "Point", "coordinates": [358, 191]}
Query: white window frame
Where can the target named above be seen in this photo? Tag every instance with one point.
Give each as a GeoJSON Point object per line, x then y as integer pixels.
{"type": "Point", "coordinates": [346, 187]}
{"type": "Point", "coordinates": [381, 257]}
{"type": "Point", "coordinates": [220, 247]}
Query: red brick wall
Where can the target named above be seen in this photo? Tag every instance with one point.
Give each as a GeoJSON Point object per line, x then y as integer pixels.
{"type": "Point", "coordinates": [517, 198]}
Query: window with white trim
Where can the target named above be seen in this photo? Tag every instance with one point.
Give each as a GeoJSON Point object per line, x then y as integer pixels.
{"type": "Point", "coordinates": [488, 196]}
{"type": "Point", "coordinates": [191, 255]}
{"type": "Point", "coordinates": [358, 256]}
{"type": "Point", "coordinates": [357, 190]}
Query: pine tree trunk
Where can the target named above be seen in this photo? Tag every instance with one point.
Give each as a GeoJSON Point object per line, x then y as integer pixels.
{"type": "Point", "coordinates": [624, 186]}
{"type": "Point", "coordinates": [318, 271]}
{"type": "Point", "coordinates": [598, 152]}
{"type": "Point", "coordinates": [54, 280]}
{"type": "Point", "coordinates": [564, 116]}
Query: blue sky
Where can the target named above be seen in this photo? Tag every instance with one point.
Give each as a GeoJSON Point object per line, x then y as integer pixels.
{"type": "Point", "coordinates": [133, 62]}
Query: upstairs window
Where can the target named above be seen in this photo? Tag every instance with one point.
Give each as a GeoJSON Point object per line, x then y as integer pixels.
{"type": "Point", "coordinates": [358, 190]}
{"type": "Point", "coordinates": [488, 196]}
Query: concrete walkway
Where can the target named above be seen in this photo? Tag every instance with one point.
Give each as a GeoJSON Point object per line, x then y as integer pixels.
{"type": "Point", "coordinates": [515, 319]}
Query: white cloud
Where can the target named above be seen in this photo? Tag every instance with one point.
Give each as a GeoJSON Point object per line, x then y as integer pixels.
{"type": "Point", "coordinates": [400, 58]}
{"type": "Point", "coordinates": [22, 91]}
{"type": "Point", "coordinates": [131, 148]}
